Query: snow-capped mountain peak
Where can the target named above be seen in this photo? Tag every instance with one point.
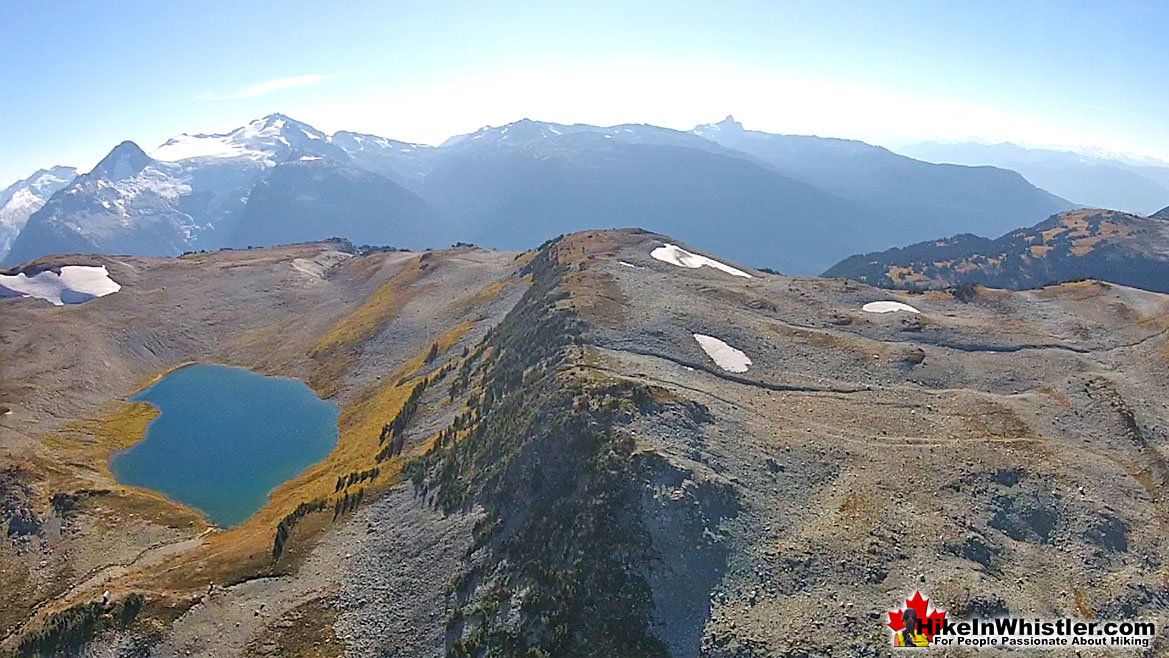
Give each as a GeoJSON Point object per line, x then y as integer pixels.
{"type": "Point", "coordinates": [125, 160]}
{"type": "Point", "coordinates": [24, 197]}
{"type": "Point", "coordinates": [519, 132]}
{"type": "Point", "coordinates": [279, 127]}
{"type": "Point", "coordinates": [191, 193]}
{"type": "Point", "coordinates": [269, 139]}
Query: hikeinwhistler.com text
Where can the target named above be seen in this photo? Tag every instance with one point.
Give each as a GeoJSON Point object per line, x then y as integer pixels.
{"type": "Point", "coordinates": [1008, 632]}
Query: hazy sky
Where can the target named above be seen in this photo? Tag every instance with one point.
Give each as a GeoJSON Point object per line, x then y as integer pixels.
{"type": "Point", "coordinates": [78, 77]}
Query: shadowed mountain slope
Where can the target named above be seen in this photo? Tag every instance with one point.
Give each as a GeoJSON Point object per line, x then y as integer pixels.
{"type": "Point", "coordinates": [912, 197]}
{"type": "Point", "coordinates": [1079, 244]}
{"type": "Point", "coordinates": [314, 198]}
{"type": "Point", "coordinates": [793, 203]}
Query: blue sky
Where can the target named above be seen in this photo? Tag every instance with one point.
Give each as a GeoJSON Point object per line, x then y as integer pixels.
{"type": "Point", "coordinates": [78, 77]}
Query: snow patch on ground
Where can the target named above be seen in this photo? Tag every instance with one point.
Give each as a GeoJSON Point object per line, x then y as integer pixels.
{"type": "Point", "coordinates": [621, 262]}
{"type": "Point", "coordinates": [75, 284]}
{"type": "Point", "coordinates": [725, 356]}
{"type": "Point", "coordinates": [676, 255]}
{"type": "Point", "coordinates": [888, 307]}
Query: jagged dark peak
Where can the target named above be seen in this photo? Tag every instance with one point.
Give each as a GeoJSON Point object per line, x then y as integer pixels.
{"type": "Point", "coordinates": [729, 123]}
{"type": "Point", "coordinates": [731, 133]}
{"type": "Point", "coordinates": [125, 160]}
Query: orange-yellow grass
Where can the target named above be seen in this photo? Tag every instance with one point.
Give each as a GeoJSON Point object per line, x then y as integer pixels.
{"type": "Point", "coordinates": [85, 446]}
{"type": "Point", "coordinates": [1082, 246]}
{"type": "Point", "coordinates": [78, 458]}
{"type": "Point", "coordinates": [245, 550]}
{"type": "Point", "coordinates": [335, 352]}
{"type": "Point", "coordinates": [899, 275]}
{"type": "Point", "coordinates": [526, 257]}
{"type": "Point", "coordinates": [80, 453]}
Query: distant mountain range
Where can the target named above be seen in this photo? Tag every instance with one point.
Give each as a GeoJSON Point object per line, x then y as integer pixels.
{"type": "Point", "coordinates": [1098, 244]}
{"type": "Point", "coordinates": [918, 195]}
{"type": "Point", "coordinates": [1099, 181]}
{"type": "Point", "coordinates": [792, 203]}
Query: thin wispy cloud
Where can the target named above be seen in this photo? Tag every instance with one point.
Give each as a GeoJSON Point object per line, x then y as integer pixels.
{"type": "Point", "coordinates": [264, 88]}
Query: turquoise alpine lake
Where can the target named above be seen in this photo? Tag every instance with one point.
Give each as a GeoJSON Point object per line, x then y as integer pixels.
{"type": "Point", "coordinates": [226, 437]}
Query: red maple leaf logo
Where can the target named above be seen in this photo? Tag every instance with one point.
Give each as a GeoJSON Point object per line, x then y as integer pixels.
{"type": "Point", "coordinates": [931, 620]}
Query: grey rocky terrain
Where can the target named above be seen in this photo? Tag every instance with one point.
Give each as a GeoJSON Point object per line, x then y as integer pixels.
{"type": "Point", "coordinates": [584, 479]}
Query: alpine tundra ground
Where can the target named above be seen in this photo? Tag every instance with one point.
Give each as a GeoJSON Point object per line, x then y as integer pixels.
{"type": "Point", "coordinates": [572, 473]}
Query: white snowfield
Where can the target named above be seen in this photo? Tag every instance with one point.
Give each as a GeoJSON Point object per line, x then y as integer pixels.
{"type": "Point", "coordinates": [75, 284]}
{"type": "Point", "coordinates": [676, 255]}
{"type": "Point", "coordinates": [260, 140]}
{"type": "Point", "coordinates": [24, 197]}
{"type": "Point", "coordinates": [888, 307]}
{"type": "Point", "coordinates": [725, 356]}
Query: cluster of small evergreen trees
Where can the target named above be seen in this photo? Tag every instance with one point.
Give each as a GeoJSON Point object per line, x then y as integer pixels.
{"type": "Point", "coordinates": [284, 528]}
{"type": "Point", "coordinates": [463, 379]}
{"type": "Point", "coordinates": [348, 503]}
{"type": "Point", "coordinates": [355, 477]}
{"type": "Point", "coordinates": [393, 430]}
{"type": "Point", "coordinates": [66, 632]}
{"type": "Point", "coordinates": [394, 449]}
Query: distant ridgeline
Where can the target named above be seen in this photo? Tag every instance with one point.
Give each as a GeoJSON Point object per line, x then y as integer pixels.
{"type": "Point", "coordinates": [1079, 244]}
{"type": "Point", "coordinates": [790, 202]}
